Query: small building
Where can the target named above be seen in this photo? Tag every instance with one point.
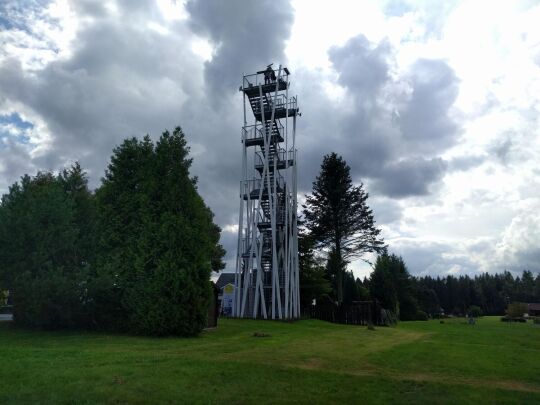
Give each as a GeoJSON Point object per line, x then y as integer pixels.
{"type": "Point", "coordinates": [534, 309]}
{"type": "Point", "coordinates": [225, 285]}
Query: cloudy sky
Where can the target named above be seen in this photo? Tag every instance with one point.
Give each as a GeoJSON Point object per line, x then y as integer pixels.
{"type": "Point", "coordinates": [434, 105]}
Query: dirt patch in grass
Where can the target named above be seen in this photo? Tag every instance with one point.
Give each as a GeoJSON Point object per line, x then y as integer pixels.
{"type": "Point", "coordinates": [473, 382]}
{"type": "Point", "coordinates": [313, 364]}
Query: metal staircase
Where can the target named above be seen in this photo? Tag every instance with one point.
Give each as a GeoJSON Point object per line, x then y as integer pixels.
{"type": "Point", "coordinates": [266, 277]}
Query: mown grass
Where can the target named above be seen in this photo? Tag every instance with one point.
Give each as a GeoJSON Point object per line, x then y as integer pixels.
{"type": "Point", "coordinates": [305, 362]}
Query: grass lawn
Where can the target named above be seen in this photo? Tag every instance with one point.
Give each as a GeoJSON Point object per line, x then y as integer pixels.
{"type": "Point", "coordinates": [307, 362]}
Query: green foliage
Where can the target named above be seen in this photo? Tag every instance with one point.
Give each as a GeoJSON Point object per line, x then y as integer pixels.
{"type": "Point", "coordinates": [408, 306]}
{"type": "Point", "coordinates": [351, 290]}
{"type": "Point", "coordinates": [475, 311]}
{"type": "Point", "coordinates": [313, 284]}
{"type": "Point", "coordinates": [50, 299]}
{"type": "Point", "coordinates": [135, 257]}
{"type": "Point", "coordinates": [391, 285]}
{"type": "Point", "coordinates": [363, 290]}
{"type": "Point", "coordinates": [4, 294]}
{"type": "Point", "coordinates": [158, 241]}
{"type": "Point", "coordinates": [339, 219]}
{"type": "Point", "coordinates": [421, 316]}
{"type": "Point", "coordinates": [517, 309]}
{"type": "Point", "coordinates": [382, 284]}
{"type": "Point", "coordinates": [428, 300]}
{"type": "Point", "coordinates": [491, 292]}
{"type": "Point", "coordinates": [44, 248]}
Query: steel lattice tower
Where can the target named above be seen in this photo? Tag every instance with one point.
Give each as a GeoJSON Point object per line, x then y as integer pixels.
{"type": "Point", "coordinates": [266, 279]}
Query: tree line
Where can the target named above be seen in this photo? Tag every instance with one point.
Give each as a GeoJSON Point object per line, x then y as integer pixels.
{"type": "Point", "coordinates": [134, 255]}
{"type": "Point", "coordinates": [337, 226]}
{"type": "Point", "coordinates": [491, 292]}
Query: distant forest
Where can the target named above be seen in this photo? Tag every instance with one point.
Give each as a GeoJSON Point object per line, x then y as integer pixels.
{"type": "Point", "coordinates": [455, 295]}
{"type": "Point", "coordinates": [491, 292]}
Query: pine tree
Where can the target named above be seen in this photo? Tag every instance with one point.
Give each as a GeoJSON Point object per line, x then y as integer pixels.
{"type": "Point", "coordinates": [339, 219]}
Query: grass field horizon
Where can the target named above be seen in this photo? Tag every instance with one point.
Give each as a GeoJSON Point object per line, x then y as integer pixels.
{"type": "Point", "coordinates": [306, 361]}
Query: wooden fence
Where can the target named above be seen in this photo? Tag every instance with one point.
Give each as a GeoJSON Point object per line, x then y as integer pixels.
{"type": "Point", "coordinates": [213, 308]}
{"type": "Point", "coordinates": [357, 313]}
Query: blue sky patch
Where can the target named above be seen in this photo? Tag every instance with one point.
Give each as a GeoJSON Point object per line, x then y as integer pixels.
{"type": "Point", "coordinates": [15, 120]}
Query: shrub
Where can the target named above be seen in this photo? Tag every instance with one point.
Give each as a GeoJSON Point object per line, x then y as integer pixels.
{"type": "Point", "coordinates": [511, 319]}
{"type": "Point", "coordinates": [388, 317]}
{"type": "Point", "coordinates": [4, 294]}
{"type": "Point", "coordinates": [517, 309]}
{"type": "Point", "coordinates": [45, 247]}
{"type": "Point", "coordinates": [421, 316]}
{"type": "Point", "coordinates": [49, 300]}
{"type": "Point", "coordinates": [474, 311]}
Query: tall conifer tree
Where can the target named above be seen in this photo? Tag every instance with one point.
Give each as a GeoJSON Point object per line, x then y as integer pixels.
{"type": "Point", "coordinates": [339, 219]}
{"type": "Point", "coordinates": [159, 242]}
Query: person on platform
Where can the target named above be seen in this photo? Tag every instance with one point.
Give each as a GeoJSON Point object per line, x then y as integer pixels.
{"type": "Point", "coordinates": [269, 74]}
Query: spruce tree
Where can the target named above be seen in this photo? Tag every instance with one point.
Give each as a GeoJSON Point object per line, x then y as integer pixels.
{"type": "Point", "coordinates": [339, 219]}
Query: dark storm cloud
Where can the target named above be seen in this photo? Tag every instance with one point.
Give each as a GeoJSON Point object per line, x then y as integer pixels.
{"type": "Point", "coordinates": [424, 120]}
{"type": "Point", "coordinates": [411, 177]}
{"type": "Point", "coordinates": [363, 67]}
{"type": "Point", "coordinates": [248, 35]}
{"type": "Point", "coordinates": [528, 259]}
{"type": "Point", "coordinates": [317, 128]}
{"type": "Point", "coordinates": [385, 210]}
{"type": "Point", "coordinates": [399, 126]}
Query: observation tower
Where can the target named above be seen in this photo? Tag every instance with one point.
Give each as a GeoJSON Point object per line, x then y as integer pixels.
{"type": "Point", "coordinates": [266, 278]}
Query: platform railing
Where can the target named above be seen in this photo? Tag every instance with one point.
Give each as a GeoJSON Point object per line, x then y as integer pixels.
{"type": "Point", "coordinates": [258, 78]}
{"type": "Point", "coordinates": [257, 131]}
{"type": "Point", "coordinates": [282, 155]}
{"type": "Point", "coordinates": [248, 186]}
